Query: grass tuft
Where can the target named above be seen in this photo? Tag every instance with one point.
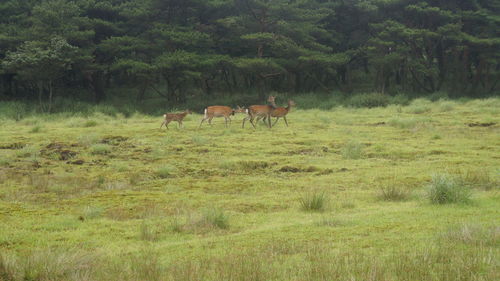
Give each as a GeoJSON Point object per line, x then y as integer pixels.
{"type": "Point", "coordinates": [352, 150]}
{"type": "Point", "coordinates": [394, 193]}
{"type": "Point", "coordinates": [314, 202]}
{"type": "Point", "coordinates": [444, 189]}
{"type": "Point", "coordinates": [90, 123]}
{"type": "Point", "coordinates": [165, 171]}
{"type": "Point", "coordinates": [36, 129]}
{"type": "Point", "coordinates": [100, 149]}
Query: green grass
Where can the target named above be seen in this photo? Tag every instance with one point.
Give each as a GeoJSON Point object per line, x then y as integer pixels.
{"type": "Point", "coordinates": [122, 200]}
{"type": "Point", "coordinates": [445, 189]}
{"type": "Point", "coordinates": [315, 202]}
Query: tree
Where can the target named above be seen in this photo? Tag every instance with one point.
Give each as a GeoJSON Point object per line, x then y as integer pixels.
{"type": "Point", "coordinates": [41, 64]}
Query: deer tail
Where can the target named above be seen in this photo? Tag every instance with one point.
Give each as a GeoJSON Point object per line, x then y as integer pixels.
{"type": "Point", "coordinates": [206, 112]}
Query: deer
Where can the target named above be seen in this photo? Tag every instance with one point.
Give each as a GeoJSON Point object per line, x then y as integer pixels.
{"type": "Point", "coordinates": [220, 111]}
{"type": "Point", "coordinates": [280, 112]}
{"type": "Point", "coordinates": [169, 117]}
{"type": "Point", "coordinates": [259, 111]}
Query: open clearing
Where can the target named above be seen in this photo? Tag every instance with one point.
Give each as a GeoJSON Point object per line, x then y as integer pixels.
{"type": "Point", "coordinates": [228, 203]}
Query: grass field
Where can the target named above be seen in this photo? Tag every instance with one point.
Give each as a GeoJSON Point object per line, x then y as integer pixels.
{"type": "Point", "coordinates": [395, 193]}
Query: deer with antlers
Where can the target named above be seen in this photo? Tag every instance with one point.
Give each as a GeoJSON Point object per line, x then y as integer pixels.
{"type": "Point", "coordinates": [220, 111]}
{"type": "Point", "coordinates": [259, 111]}
{"type": "Point", "coordinates": [169, 117]}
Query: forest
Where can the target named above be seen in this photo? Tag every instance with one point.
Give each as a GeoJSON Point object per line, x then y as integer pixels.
{"type": "Point", "coordinates": [179, 51]}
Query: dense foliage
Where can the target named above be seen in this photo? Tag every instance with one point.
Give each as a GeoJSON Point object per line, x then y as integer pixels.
{"type": "Point", "coordinates": [186, 49]}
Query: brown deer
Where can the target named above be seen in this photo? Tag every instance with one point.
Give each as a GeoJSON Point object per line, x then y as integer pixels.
{"type": "Point", "coordinates": [279, 112]}
{"type": "Point", "coordinates": [220, 111]}
{"type": "Point", "coordinates": [259, 111]}
{"type": "Point", "coordinates": [169, 117]}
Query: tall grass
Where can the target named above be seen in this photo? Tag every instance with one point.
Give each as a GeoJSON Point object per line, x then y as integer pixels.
{"type": "Point", "coordinates": [352, 150]}
{"type": "Point", "coordinates": [314, 202]}
{"type": "Point", "coordinates": [444, 189]}
{"type": "Point", "coordinates": [394, 193]}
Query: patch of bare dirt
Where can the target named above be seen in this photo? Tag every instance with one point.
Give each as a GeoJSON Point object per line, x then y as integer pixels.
{"type": "Point", "coordinates": [15, 145]}
{"type": "Point", "coordinates": [479, 124]}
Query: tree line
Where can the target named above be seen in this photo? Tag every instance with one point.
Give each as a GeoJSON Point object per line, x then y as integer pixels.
{"type": "Point", "coordinates": [179, 49]}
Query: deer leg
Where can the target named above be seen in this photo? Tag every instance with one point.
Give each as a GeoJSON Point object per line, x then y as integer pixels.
{"type": "Point", "coordinates": [180, 124]}
{"type": "Point", "coordinates": [286, 122]}
{"type": "Point", "coordinates": [166, 124]}
{"type": "Point", "coordinates": [247, 118]}
{"type": "Point", "coordinates": [225, 118]}
{"type": "Point", "coordinates": [210, 121]}
{"type": "Point", "coordinates": [201, 122]}
{"type": "Point", "coordinates": [251, 121]}
{"type": "Point", "coordinates": [277, 118]}
{"type": "Point", "coordinates": [162, 124]}
{"type": "Point", "coordinates": [269, 120]}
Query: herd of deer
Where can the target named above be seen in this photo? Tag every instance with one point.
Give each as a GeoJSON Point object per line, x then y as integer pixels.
{"type": "Point", "coordinates": [254, 112]}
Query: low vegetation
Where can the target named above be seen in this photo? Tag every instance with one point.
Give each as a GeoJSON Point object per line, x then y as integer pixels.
{"type": "Point", "coordinates": [342, 194]}
{"type": "Point", "coordinates": [444, 189]}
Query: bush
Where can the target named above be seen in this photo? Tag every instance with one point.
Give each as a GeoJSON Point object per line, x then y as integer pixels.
{"type": "Point", "coordinates": [369, 100]}
{"type": "Point", "coordinates": [13, 110]}
{"type": "Point", "coordinates": [314, 202]}
{"type": "Point", "coordinates": [438, 96]}
{"type": "Point", "coordinates": [444, 189]}
{"type": "Point", "coordinates": [400, 99]}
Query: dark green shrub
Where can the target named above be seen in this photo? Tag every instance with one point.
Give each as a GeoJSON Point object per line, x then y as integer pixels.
{"type": "Point", "coordinates": [369, 100]}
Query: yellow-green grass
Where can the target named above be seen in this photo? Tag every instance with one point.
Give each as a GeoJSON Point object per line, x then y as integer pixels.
{"type": "Point", "coordinates": [122, 191]}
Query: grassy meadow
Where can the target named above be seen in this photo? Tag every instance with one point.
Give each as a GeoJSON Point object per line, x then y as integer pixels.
{"type": "Point", "coordinates": [387, 193]}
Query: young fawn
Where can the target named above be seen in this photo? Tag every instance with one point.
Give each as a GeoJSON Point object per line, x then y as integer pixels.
{"type": "Point", "coordinates": [220, 111]}
{"type": "Point", "coordinates": [259, 111]}
{"type": "Point", "coordinates": [280, 112]}
{"type": "Point", "coordinates": [169, 117]}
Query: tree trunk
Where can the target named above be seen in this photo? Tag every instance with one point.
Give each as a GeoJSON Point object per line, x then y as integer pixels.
{"type": "Point", "coordinates": [96, 84]}
{"type": "Point", "coordinates": [51, 92]}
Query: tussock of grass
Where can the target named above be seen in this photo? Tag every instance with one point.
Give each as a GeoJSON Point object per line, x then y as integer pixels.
{"type": "Point", "coordinates": [199, 140]}
{"type": "Point", "coordinates": [419, 106]}
{"type": "Point", "coordinates": [149, 232]}
{"type": "Point", "coordinates": [45, 265]}
{"type": "Point", "coordinates": [444, 189]}
{"type": "Point", "coordinates": [314, 202]}
{"type": "Point", "coordinates": [165, 171]}
{"type": "Point", "coordinates": [36, 129]}
{"type": "Point", "coordinates": [473, 234]}
{"type": "Point", "coordinates": [394, 193]}
{"type": "Point", "coordinates": [100, 149]}
{"type": "Point", "coordinates": [330, 222]}
{"type": "Point", "coordinates": [352, 150]}
{"type": "Point", "coordinates": [210, 219]}
{"type": "Point", "coordinates": [405, 123]}
{"type": "Point", "coordinates": [89, 123]}
{"type": "Point", "coordinates": [88, 139]}
{"type": "Point", "coordinates": [91, 212]}
{"type": "Point", "coordinates": [477, 178]}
